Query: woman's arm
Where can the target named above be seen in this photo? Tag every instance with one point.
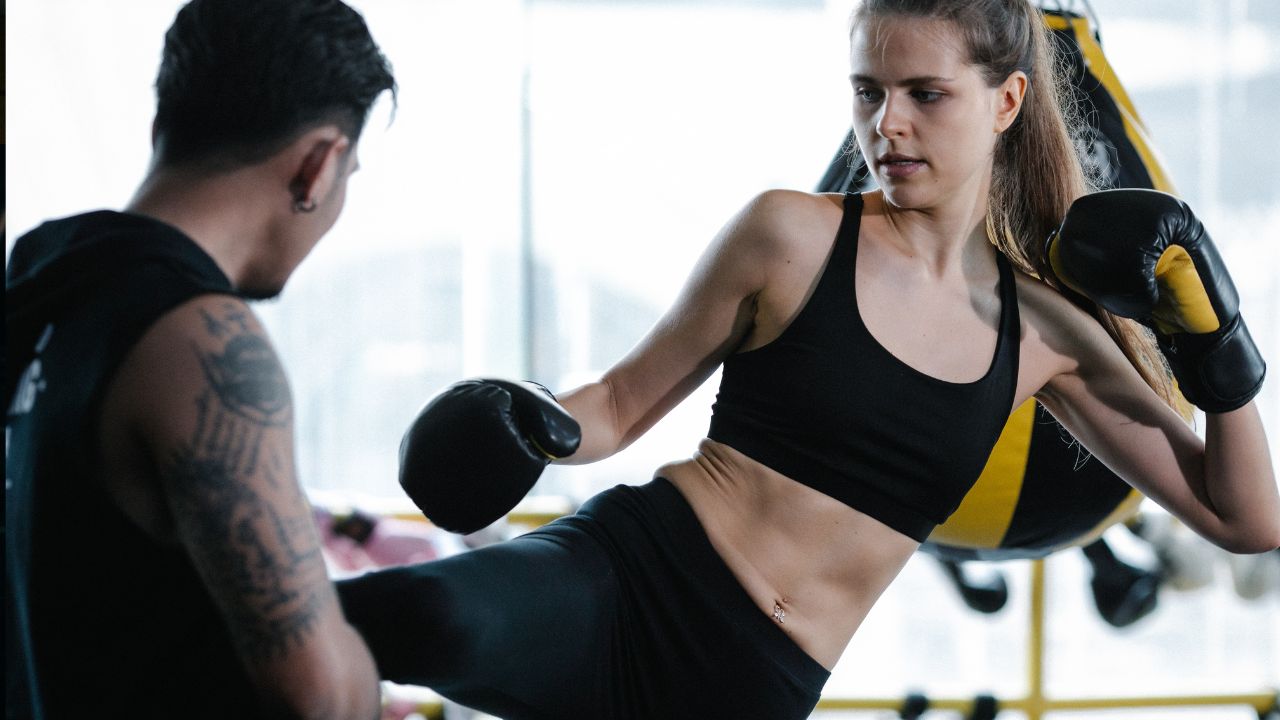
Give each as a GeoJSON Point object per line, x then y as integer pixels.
{"type": "Point", "coordinates": [714, 313]}
{"type": "Point", "coordinates": [1224, 488]}
{"type": "Point", "coordinates": [1144, 255]}
{"type": "Point", "coordinates": [479, 446]}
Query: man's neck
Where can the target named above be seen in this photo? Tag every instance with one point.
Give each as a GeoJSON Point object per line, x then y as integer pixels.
{"type": "Point", "coordinates": [224, 214]}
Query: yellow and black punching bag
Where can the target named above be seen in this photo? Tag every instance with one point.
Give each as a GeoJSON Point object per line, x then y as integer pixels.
{"type": "Point", "coordinates": [1041, 491]}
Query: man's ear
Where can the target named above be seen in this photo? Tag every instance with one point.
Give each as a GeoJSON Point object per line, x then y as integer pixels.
{"type": "Point", "coordinates": [1009, 99]}
{"type": "Point", "coordinates": [315, 161]}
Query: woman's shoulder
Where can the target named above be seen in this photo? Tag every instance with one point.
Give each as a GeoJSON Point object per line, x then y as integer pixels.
{"type": "Point", "coordinates": [791, 206]}
{"type": "Point", "coordinates": [1050, 319]}
{"type": "Point", "coordinates": [786, 221]}
{"type": "Point", "coordinates": [1041, 304]}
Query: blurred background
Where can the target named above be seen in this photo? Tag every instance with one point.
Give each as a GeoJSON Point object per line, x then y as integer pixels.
{"type": "Point", "coordinates": [552, 172]}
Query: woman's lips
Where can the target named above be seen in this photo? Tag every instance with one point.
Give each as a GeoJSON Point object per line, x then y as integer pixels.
{"type": "Point", "coordinates": [900, 166]}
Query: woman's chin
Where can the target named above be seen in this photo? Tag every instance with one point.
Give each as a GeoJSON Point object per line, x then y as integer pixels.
{"type": "Point", "coordinates": [904, 198]}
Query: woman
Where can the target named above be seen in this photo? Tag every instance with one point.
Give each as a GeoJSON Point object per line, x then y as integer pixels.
{"type": "Point", "coordinates": [873, 346]}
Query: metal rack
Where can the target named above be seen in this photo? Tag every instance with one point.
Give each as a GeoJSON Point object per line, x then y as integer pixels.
{"type": "Point", "coordinates": [1036, 703]}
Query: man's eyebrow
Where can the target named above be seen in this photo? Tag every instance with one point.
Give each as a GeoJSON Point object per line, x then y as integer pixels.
{"type": "Point", "coordinates": [920, 80]}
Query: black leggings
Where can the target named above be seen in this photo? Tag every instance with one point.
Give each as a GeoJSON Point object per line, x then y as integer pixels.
{"type": "Point", "coordinates": [623, 610]}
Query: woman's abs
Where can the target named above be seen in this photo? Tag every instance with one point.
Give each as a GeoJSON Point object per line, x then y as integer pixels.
{"type": "Point", "coordinates": [811, 563]}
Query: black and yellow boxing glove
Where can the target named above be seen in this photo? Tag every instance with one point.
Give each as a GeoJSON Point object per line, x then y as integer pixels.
{"type": "Point", "coordinates": [476, 449]}
{"type": "Point", "coordinates": [1142, 254]}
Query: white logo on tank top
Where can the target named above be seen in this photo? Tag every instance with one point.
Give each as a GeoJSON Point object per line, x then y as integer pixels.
{"type": "Point", "coordinates": [32, 381]}
{"type": "Point", "coordinates": [25, 395]}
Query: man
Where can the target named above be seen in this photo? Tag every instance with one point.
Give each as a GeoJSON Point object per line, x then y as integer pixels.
{"type": "Point", "coordinates": [161, 559]}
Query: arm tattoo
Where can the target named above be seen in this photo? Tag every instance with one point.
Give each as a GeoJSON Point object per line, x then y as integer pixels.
{"type": "Point", "coordinates": [264, 555]}
{"type": "Point", "coordinates": [246, 375]}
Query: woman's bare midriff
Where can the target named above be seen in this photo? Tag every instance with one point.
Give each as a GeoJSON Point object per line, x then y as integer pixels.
{"type": "Point", "coordinates": [811, 563]}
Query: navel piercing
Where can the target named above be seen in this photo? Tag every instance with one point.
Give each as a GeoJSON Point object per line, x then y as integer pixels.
{"type": "Point", "coordinates": [779, 613]}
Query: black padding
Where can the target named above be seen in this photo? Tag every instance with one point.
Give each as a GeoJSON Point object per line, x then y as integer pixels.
{"type": "Point", "coordinates": [985, 597]}
{"type": "Point", "coordinates": [985, 707]}
{"type": "Point", "coordinates": [1122, 593]}
{"type": "Point", "coordinates": [914, 706]}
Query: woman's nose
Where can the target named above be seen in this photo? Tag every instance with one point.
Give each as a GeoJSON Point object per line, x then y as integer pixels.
{"type": "Point", "coordinates": [893, 122]}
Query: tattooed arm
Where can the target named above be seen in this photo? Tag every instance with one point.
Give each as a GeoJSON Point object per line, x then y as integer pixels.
{"type": "Point", "coordinates": [210, 403]}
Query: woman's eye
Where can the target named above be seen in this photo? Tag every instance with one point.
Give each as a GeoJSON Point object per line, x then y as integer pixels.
{"type": "Point", "coordinates": [926, 96]}
{"type": "Point", "coordinates": [869, 95]}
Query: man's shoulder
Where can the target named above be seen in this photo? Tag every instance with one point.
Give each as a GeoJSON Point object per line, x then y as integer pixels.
{"type": "Point", "coordinates": [53, 239]}
{"type": "Point", "coordinates": [207, 360]}
{"type": "Point", "coordinates": [104, 277]}
{"type": "Point", "coordinates": [103, 244]}
{"type": "Point", "coordinates": [205, 323]}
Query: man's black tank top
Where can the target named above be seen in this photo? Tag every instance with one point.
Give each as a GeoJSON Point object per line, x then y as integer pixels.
{"type": "Point", "coordinates": [100, 618]}
{"type": "Point", "coordinates": [828, 406]}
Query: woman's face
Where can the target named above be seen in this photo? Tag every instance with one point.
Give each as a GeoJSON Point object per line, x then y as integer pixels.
{"type": "Point", "coordinates": [925, 119]}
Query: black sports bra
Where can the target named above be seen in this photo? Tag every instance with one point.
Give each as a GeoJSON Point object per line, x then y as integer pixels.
{"type": "Point", "coordinates": [828, 406]}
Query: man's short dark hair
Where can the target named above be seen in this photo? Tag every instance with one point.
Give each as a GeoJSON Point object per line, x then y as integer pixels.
{"type": "Point", "coordinates": [240, 79]}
